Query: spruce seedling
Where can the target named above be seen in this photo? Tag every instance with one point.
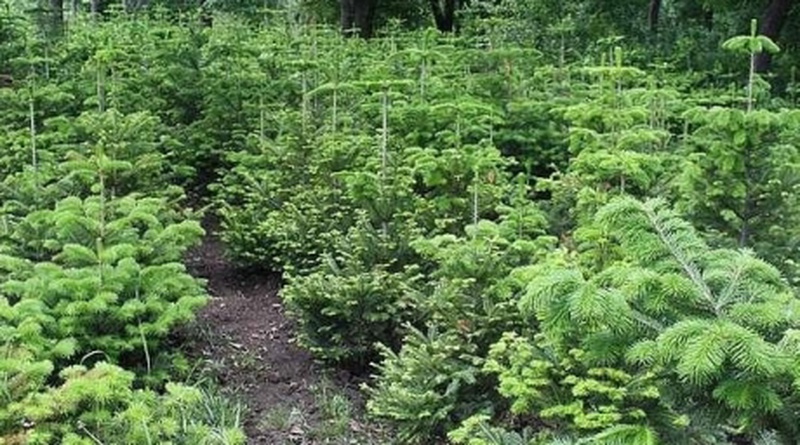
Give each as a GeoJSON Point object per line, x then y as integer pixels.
{"type": "Point", "coordinates": [423, 55]}
{"type": "Point", "coordinates": [753, 45]}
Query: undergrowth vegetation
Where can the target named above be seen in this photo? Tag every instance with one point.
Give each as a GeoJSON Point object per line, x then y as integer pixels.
{"type": "Point", "coordinates": [519, 244]}
{"type": "Point", "coordinates": [93, 230]}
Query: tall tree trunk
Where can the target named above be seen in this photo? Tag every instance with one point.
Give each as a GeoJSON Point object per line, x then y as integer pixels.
{"type": "Point", "coordinates": [56, 16]}
{"type": "Point", "coordinates": [708, 18]}
{"type": "Point", "coordinates": [444, 14]}
{"type": "Point", "coordinates": [653, 13]}
{"type": "Point", "coordinates": [358, 14]}
{"type": "Point", "coordinates": [347, 15]}
{"type": "Point", "coordinates": [365, 12]}
{"type": "Point", "coordinates": [771, 25]}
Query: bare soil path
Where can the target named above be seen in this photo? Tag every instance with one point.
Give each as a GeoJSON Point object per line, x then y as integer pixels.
{"type": "Point", "coordinates": [246, 341]}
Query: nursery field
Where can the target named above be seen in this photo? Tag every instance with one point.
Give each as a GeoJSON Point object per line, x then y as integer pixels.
{"type": "Point", "coordinates": [536, 224]}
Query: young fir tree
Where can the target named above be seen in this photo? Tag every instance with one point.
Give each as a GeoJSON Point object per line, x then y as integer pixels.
{"type": "Point", "coordinates": [667, 341]}
{"type": "Point", "coordinates": [741, 171]}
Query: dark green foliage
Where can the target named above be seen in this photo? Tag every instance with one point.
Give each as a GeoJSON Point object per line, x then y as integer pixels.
{"type": "Point", "coordinates": [741, 176]}
{"type": "Point", "coordinates": [344, 312]}
{"type": "Point", "coordinates": [669, 330]}
{"type": "Point", "coordinates": [91, 249]}
{"type": "Point", "coordinates": [458, 211]}
{"type": "Point", "coordinates": [380, 182]}
{"type": "Point", "coordinates": [286, 211]}
{"type": "Point", "coordinates": [421, 388]}
{"type": "Point", "coordinates": [436, 379]}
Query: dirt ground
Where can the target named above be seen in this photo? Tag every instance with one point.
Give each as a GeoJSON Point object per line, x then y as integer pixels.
{"type": "Point", "coordinates": [246, 340]}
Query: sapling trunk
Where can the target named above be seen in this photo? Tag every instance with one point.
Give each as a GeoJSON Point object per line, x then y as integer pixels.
{"type": "Point", "coordinates": [101, 88]}
{"type": "Point", "coordinates": [744, 234]}
{"type": "Point", "coordinates": [751, 80]}
{"type": "Point", "coordinates": [618, 65]}
{"type": "Point", "coordinates": [384, 133]}
{"type": "Point", "coordinates": [316, 72]}
{"type": "Point", "coordinates": [335, 105]}
{"type": "Point", "coordinates": [99, 248]}
{"type": "Point", "coordinates": [113, 155]}
{"type": "Point", "coordinates": [423, 74]}
{"type": "Point", "coordinates": [82, 427]}
{"type": "Point", "coordinates": [475, 199]}
{"type": "Point", "coordinates": [654, 106]}
{"type": "Point", "coordinates": [305, 104]}
{"type": "Point", "coordinates": [508, 79]}
{"type": "Point", "coordinates": [261, 117]}
{"type": "Point", "coordinates": [458, 129]}
{"type": "Point", "coordinates": [46, 61]}
{"type": "Point", "coordinates": [384, 150]}
{"type": "Point", "coordinates": [521, 198]}
{"type": "Point", "coordinates": [100, 154]}
{"type": "Point", "coordinates": [144, 344]}
{"type": "Point", "coordinates": [749, 204]}
{"type": "Point", "coordinates": [32, 116]}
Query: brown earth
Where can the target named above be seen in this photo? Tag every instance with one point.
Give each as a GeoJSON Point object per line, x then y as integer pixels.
{"type": "Point", "coordinates": [246, 341]}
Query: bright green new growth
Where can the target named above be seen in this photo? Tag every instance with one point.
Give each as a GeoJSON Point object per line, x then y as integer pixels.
{"type": "Point", "coordinates": [91, 273]}
{"type": "Point", "coordinates": [667, 329]}
{"type": "Point", "coordinates": [752, 45]}
{"type": "Point", "coordinates": [412, 189]}
{"type": "Point", "coordinates": [105, 408]}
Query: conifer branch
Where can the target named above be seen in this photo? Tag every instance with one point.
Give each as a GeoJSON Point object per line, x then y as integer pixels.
{"type": "Point", "coordinates": [674, 249]}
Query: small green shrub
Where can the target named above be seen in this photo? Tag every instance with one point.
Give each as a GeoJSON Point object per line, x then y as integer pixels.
{"type": "Point", "coordinates": [100, 405]}
{"type": "Point", "coordinates": [436, 379]}
{"type": "Point", "coordinates": [662, 340]}
{"type": "Point", "coordinates": [740, 180]}
{"type": "Point", "coordinates": [344, 312]}
{"type": "Point", "coordinates": [285, 207]}
{"type": "Point", "coordinates": [103, 274]}
{"type": "Point", "coordinates": [427, 386]}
